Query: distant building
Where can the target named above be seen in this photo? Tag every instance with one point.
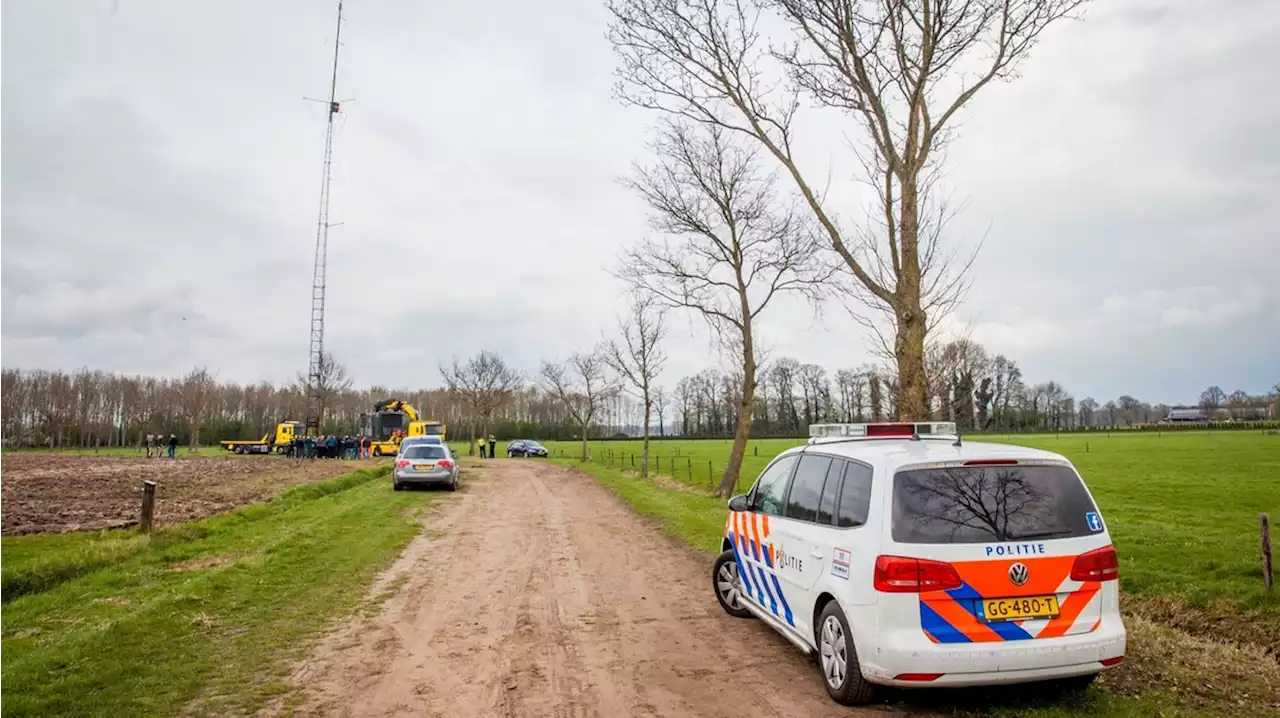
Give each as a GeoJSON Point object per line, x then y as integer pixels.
{"type": "Point", "coordinates": [1183, 413]}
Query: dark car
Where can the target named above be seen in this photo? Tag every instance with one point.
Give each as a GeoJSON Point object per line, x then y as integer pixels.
{"type": "Point", "coordinates": [526, 448]}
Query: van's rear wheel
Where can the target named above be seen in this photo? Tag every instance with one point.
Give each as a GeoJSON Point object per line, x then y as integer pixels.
{"type": "Point", "coordinates": [724, 578]}
{"type": "Point", "coordinates": [841, 673]}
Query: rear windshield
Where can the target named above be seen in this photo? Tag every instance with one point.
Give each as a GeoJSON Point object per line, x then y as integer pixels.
{"type": "Point", "coordinates": [980, 504]}
{"type": "Point", "coordinates": [424, 451]}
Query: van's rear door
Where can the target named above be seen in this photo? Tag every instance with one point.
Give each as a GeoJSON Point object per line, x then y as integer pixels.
{"type": "Point", "coordinates": [1012, 530]}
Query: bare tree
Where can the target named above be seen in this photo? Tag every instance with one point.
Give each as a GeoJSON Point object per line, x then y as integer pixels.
{"type": "Point", "coordinates": [1212, 398]}
{"type": "Point", "coordinates": [484, 384]}
{"type": "Point", "coordinates": [637, 358]}
{"type": "Point", "coordinates": [333, 382]}
{"type": "Point", "coordinates": [1088, 406]}
{"type": "Point", "coordinates": [660, 406]}
{"type": "Point", "coordinates": [900, 70]}
{"type": "Point", "coordinates": [581, 386]}
{"type": "Point", "coordinates": [728, 248]}
{"type": "Point", "coordinates": [197, 388]}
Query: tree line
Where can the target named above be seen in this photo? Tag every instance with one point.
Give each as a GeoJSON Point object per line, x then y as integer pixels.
{"type": "Point", "coordinates": [94, 408]}
{"type": "Point", "coordinates": [977, 391]}
{"type": "Point", "coordinates": [968, 386]}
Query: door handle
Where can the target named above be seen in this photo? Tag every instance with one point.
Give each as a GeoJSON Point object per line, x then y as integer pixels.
{"type": "Point", "coordinates": [816, 553]}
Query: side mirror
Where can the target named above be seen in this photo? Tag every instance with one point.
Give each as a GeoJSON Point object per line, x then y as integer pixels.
{"type": "Point", "coordinates": [738, 503]}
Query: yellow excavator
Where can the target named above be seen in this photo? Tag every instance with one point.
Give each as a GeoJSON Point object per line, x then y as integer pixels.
{"type": "Point", "coordinates": [391, 421]}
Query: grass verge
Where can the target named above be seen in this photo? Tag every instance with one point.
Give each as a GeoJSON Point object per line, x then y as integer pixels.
{"type": "Point", "coordinates": [114, 623]}
{"type": "Point", "coordinates": [1168, 672]}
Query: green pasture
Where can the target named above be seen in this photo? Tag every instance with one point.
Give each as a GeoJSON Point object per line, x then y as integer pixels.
{"type": "Point", "coordinates": [1182, 509]}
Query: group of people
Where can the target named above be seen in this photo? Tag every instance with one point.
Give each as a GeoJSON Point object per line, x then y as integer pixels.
{"type": "Point", "coordinates": [330, 447]}
{"type": "Point", "coordinates": [156, 445]}
{"type": "Point", "coordinates": [491, 445]}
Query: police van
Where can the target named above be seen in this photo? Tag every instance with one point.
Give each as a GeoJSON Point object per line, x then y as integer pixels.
{"type": "Point", "coordinates": [904, 556]}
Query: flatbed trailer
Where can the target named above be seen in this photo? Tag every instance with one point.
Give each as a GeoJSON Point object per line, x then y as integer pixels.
{"type": "Point", "coordinates": [277, 442]}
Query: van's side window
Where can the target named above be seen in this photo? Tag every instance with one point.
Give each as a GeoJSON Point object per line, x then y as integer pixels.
{"type": "Point", "coordinates": [771, 490]}
{"type": "Point", "coordinates": [855, 496]}
{"type": "Point", "coordinates": [806, 488]}
{"type": "Point", "coordinates": [830, 490]}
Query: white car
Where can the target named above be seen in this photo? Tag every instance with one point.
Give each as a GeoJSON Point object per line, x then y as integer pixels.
{"type": "Point", "coordinates": [907, 557]}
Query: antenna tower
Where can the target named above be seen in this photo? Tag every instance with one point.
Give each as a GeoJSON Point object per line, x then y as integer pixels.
{"type": "Point", "coordinates": [319, 277]}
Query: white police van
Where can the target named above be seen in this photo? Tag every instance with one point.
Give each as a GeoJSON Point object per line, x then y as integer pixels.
{"type": "Point", "coordinates": [907, 557]}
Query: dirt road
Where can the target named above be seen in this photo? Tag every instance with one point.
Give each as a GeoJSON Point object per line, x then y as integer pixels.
{"type": "Point", "coordinates": [535, 592]}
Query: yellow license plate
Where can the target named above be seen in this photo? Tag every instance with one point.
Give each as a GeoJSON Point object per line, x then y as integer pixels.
{"type": "Point", "coordinates": [1017, 609]}
{"type": "Point", "coordinates": [423, 467]}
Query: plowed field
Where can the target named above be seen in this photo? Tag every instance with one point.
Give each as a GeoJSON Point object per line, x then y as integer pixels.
{"type": "Point", "coordinates": [52, 493]}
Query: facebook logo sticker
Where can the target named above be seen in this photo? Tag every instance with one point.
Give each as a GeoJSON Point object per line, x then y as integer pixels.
{"type": "Point", "coordinates": [1095, 521]}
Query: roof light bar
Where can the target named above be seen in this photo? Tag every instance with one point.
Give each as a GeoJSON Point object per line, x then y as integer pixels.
{"type": "Point", "coordinates": [881, 430]}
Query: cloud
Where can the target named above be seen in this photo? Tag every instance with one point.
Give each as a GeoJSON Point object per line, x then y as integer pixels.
{"type": "Point", "coordinates": [161, 171]}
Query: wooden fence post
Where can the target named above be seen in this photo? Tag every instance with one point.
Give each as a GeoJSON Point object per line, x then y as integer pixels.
{"type": "Point", "coordinates": [1268, 577]}
{"type": "Point", "coordinates": [148, 506]}
{"type": "Point", "coordinates": [711, 477]}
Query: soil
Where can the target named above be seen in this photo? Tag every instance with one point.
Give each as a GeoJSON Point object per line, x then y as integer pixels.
{"type": "Point", "coordinates": [535, 592]}
{"type": "Point", "coordinates": [51, 493]}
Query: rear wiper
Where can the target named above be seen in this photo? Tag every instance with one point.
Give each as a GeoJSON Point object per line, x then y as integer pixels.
{"type": "Point", "coordinates": [1038, 534]}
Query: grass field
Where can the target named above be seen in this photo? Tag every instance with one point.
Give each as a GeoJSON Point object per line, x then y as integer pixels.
{"type": "Point", "coordinates": [201, 618]}
{"type": "Point", "coordinates": [1183, 512]}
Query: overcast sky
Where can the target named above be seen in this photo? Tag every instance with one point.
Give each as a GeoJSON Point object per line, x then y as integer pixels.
{"type": "Point", "coordinates": [161, 172]}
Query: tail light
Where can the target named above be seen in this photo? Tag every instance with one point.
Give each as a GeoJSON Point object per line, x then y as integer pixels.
{"type": "Point", "coordinates": [1098, 565]}
{"type": "Point", "coordinates": [922, 677]}
{"type": "Point", "coordinates": [897, 574]}
{"type": "Point", "coordinates": [402, 463]}
{"type": "Point", "coordinates": [1109, 662]}
{"type": "Point", "coordinates": [444, 464]}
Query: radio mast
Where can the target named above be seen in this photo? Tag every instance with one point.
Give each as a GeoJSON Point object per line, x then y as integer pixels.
{"type": "Point", "coordinates": [319, 276]}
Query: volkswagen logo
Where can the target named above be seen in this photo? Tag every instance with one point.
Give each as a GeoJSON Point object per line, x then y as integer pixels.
{"type": "Point", "coordinates": [1018, 574]}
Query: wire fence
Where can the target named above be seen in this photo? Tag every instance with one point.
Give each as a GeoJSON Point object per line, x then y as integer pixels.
{"type": "Point", "coordinates": [693, 472]}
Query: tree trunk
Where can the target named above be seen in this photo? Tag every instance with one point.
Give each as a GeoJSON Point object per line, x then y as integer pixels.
{"type": "Point", "coordinates": [913, 384]}
{"type": "Point", "coordinates": [644, 446]}
{"type": "Point", "coordinates": [584, 441]}
{"type": "Point", "coordinates": [729, 481]}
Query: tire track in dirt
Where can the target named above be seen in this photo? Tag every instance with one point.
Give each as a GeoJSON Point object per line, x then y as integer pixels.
{"type": "Point", "coordinates": [537, 593]}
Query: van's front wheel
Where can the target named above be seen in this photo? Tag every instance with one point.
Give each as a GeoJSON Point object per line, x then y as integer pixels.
{"type": "Point", "coordinates": [841, 673]}
{"type": "Point", "coordinates": [728, 587]}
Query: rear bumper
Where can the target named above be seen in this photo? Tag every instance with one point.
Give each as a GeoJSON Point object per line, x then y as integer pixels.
{"type": "Point", "coordinates": [977, 664]}
{"type": "Point", "coordinates": [424, 478]}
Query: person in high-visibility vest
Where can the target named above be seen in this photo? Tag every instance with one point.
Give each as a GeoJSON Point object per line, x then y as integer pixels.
{"type": "Point", "coordinates": [480, 444]}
